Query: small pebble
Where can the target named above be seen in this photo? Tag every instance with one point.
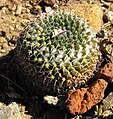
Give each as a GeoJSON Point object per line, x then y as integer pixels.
{"type": "Point", "coordinates": [48, 9]}
{"type": "Point", "coordinates": [24, 22]}
{"type": "Point", "coordinates": [19, 9]}
{"type": "Point", "coordinates": [28, 10]}
{"type": "Point", "coordinates": [111, 7]}
{"type": "Point", "coordinates": [3, 51]}
{"type": "Point", "coordinates": [17, 26]}
{"type": "Point", "coordinates": [4, 9]}
{"type": "Point", "coordinates": [29, 6]}
{"type": "Point", "coordinates": [110, 15]}
{"type": "Point", "coordinates": [10, 112]}
{"type": "Point", "coordinates": [12, 28]}
{"type": "Point", "coordinates": [2, 105]}
{"type": "Point", "coordinates": [5, 46]}
{"type": "Point", "coordinates": [13, 8]}
{"type": "Point", "coordinates": [3, 40]}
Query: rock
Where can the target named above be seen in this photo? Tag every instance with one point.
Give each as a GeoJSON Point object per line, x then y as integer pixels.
{"type": "Point", "coordinates": [111, 7]}
{"type": "Point", "coordinates": [81, 100]}
{"type": "Point", "coordinates": [106, 72]}
{"type": "Point", "coordinates": [51, 100]}
{"type": "Point", "coordinates": [5, 46]}
{"type": "Point", "coordinates": [94, 95]}
{"type": "Point", "coordinates": [107, 103]}
{"type": "Point", "coordinates": [2, 105]}
{"type": "Point", "coordinates": [48, 9]}
{"type": "Point", "coordinates": [3, 51]}
{"type": "Point", "coordinates": [75, 99]}
{"type": "Point", "coordinates": [90, 12]}
{"type": "Point", "coordinates": [11, 28]}
{"type": "Point", "coordinates": [104, 109]}
{"type": "Point", "coordinates": [10, 112]}
{"type": "Point", "coordinates": [110, 15]}
{"type": "Point", "coordinates": [4, 11]}
{"type": "Point", "coordinates": [19, 9]}
{"type": "Point", "coordinates": [23, 112]}
{"type": "Point", "coordinates": [3, 40]}
{"type": "Point", "coordinates": [108, 114]}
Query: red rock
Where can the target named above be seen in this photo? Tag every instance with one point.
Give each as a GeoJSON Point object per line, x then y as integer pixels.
{"type": "Point", "coordinates": [74, 100]}
{"type": "Point", "coordinates": [94, 95]}
{"type": "Point", "coordinates": [106, 72]}
{"type": "Point", "coordinates": [81, 100]}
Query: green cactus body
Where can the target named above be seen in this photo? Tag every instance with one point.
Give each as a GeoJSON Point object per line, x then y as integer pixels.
{"type": "Point", "coordinates": [61, 47]}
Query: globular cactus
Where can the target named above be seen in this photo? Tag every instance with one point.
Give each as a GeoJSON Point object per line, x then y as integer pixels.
{"type": "Point", "coordinates": [59, 51]}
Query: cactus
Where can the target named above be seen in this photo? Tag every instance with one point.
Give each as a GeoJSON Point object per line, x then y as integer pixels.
{"type": "Point", "coordinates": [61, 48]}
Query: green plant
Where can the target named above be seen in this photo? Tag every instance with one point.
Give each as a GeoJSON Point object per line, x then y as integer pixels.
{"type": "Point", "coordinates": [61, 47]}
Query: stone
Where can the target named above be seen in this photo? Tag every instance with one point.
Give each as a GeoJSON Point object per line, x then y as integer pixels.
{"type": "Point", "coordinates": [48, 9]}
{"type": "Point", "coordinates": [3, 51]}
{"type": "Point", "coordinates": [5, 46]}
{"type": "Point", "coordinates": [106, 72]}
{"type": "Point", "coordinates": [51, 100]}
{"type": "Point", "coordinates": [94, 95]}
{"type": "Point", "coordinates": [19, 9]}
{"type": "Point", "coordinates": [12, 28]}
{"type": "Point", "coordinates": [90, 12]}
{"type": "Point", "coordinates": [111, 7]}
{"type": "Point", "coordinates": [107, 103]}
{"type": "Point", "coordinates": [104, 109]}
{"type": "Point", "coordinates": [75, 99]}
{"type": "Point", "coordinates": [110, 16]}
{"type": "Point", "coordinates": [81, 100]}
{"type": "Point", "coordinates": [2, 105]}
{"type": "Point", "coordinates": [10, 112]}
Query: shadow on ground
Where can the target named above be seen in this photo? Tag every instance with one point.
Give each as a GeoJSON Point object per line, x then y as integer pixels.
{"type": "Point", "coordinates": [11, 91]}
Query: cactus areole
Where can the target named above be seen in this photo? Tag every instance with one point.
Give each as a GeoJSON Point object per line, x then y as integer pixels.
{"type": "Point", "coordinates": [60, 48]}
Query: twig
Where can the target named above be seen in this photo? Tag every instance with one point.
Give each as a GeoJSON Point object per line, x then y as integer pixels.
{"type": "Point", "coordinates": [14, 83]}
